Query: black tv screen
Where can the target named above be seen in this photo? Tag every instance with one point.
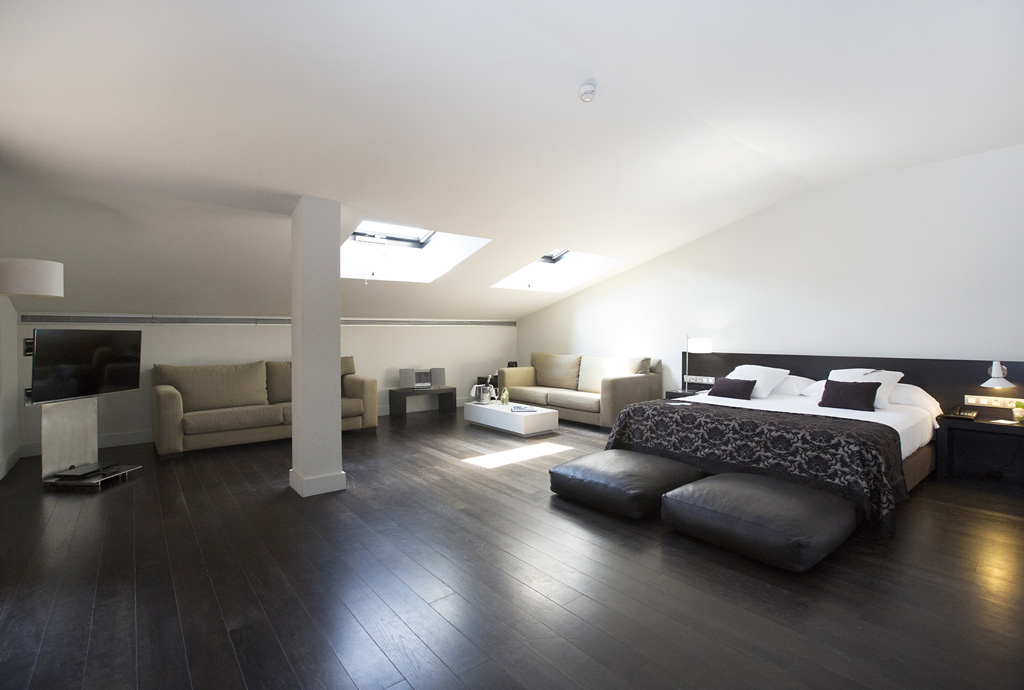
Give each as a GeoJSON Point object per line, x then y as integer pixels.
{"type": "Point", "coordinates": [69, 364]}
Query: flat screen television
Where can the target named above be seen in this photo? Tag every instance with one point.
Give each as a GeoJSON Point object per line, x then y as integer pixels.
{"type": "Point", "coordinates": [71, 363]}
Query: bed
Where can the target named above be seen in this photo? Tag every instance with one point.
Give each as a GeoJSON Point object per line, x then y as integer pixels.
{"type": "Point", "coordinates": [871, 457]}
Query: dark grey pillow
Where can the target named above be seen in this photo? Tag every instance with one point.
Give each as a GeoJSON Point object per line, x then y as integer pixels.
{"type": "Point", "coordinates": [850, 395]}
{"type": "Point", "coordinates": [733, 388]}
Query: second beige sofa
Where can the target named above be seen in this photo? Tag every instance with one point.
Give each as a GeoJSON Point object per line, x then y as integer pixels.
{"type": "Point", "coordinates": [591, 390]}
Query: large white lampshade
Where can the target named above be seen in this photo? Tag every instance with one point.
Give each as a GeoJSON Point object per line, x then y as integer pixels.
{"type": "Point", "coordinates": [31, 278]}
{"type": "Point", "coordinates": [699, 346]}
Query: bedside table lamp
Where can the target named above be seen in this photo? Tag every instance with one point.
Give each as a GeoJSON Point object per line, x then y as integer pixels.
{"type": "Point", "coordinates": [997, 372]}
{"type": "Point", "coordinates": [698, 346]}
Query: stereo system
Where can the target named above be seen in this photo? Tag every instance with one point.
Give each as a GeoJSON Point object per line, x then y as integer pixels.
{"type": "Point", "coordinates": [421, 378]}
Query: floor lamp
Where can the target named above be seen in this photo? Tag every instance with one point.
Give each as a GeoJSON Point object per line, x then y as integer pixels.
{"type": "Point", "coordinates": [31, 278]}
{"type": "Point", "coordinates": [698, 346]}
{"type": "Point", "coordinates": [68, 428]}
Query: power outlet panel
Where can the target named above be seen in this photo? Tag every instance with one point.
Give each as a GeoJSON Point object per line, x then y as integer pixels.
{"type": "Point", "coordinates": [989, 401]}
{"type": "Point", "coordinates": [709, 380]}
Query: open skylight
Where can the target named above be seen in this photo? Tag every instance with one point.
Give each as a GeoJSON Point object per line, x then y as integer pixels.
{"type": "Point", "coordinates": [379, 251]}
{"type": "Point", "coordinates": [558, 271]}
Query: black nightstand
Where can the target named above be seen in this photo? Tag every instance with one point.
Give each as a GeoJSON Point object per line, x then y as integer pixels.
{"type": "Point", "coordinates": [950, 427]}
{"type": "Point", "coordinates": [672, 395]}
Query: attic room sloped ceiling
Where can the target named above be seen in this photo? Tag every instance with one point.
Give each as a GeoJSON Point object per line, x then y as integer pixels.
{"type": "Point", "coordinates": [156, 148]}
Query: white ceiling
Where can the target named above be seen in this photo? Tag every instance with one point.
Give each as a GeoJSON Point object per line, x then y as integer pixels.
{"type": "Point", "coordinates": [157, 147]}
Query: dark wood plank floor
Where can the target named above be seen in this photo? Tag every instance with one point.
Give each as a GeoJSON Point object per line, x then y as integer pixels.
{"type": "Point", "coordinates": [429, 572]}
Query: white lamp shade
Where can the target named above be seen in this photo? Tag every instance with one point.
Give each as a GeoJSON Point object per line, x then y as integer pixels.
{"type": "Point", "coordinates": [998, 372]}
{"type": "Point", "coordinates": [699, 346]}
{"type": "Point", "coordinates": [31, 278]}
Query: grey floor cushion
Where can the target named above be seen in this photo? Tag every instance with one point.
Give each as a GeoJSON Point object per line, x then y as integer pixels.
{"type": "Point", "coordinates": [782, 524]}
{"type": "Point", "coordinates": [621, 481]}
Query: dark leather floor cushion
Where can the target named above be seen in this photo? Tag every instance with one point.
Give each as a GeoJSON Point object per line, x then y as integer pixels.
{"type": "Point", "coordinates": [783, 524]}
{"type": "Point", "coordinates": [621, 481]}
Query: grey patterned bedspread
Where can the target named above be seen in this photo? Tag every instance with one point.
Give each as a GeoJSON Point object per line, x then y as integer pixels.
{"type": "Point", "coordinates": [857, 460]}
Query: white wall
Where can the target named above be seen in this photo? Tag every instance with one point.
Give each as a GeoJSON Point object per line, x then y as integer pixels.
{"type": "Point", "coordinates": [923, 262]}
{"type": "Point", "coordinates": [9, 395]}
{"type": "Point", "coordinates": [380, 351]}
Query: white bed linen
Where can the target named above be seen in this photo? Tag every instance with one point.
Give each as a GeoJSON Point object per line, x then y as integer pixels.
{"type": "Point", "coordinates": [914, 424]}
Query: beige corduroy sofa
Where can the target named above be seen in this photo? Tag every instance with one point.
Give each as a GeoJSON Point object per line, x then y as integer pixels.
{"type": "Point", "coordinates": [592, 390]}
{"type": "Point", "coordinates": [208, 406]}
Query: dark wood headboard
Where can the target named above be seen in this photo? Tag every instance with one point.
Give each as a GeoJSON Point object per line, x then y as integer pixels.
{"type": "Point", "coordinates": [948, 380]}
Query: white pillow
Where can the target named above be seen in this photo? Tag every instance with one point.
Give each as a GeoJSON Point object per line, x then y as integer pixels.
{"type": "Point", "coordinates": [906, 394]}
{"type": "Point", "coordinates": [766, 378]}
{"type": "Point", "coordinates": [888, 379]}
{"type": "Point", "coordinates": [591, 373]}
{"type": "Point", "coordinates": [793, 385]}
{"type": "Point", "coordinates": [815, 390]}
{"type": "Point", "coordinates": [593, 369]}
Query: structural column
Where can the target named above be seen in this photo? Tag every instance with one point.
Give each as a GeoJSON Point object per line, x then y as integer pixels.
{"type": "Point", "coordinates": [316, 348]}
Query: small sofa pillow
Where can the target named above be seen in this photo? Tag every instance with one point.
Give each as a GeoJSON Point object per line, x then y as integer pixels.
{"type": "Point", "coordinates": [732, 388]}
{"type": "Point", "coordinates": [850, 395]}
{"type": "Point", "coordinates": [556, 371]}
{"type": "Point", "coordinates": [887, 379]}
{"type": "Point", "coordinates": [765, 378]}
{"type": "Point", "coordinates": [793, 385]}
{"type": "Point", "coordinates": [279, 382]}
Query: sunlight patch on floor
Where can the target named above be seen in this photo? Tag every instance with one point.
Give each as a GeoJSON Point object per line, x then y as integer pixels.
{"type": "Point", "coordinates": [507, 457]}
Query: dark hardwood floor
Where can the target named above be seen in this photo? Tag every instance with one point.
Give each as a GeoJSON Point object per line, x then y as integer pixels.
{"type": "Point", "coordinates": [429, 572]}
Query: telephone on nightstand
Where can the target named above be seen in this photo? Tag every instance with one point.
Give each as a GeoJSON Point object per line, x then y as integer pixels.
{"type": "Point", "coordinates": [961, 413]}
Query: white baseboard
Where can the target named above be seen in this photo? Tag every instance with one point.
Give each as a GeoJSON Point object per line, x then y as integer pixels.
{"type": "Point", "coordinates": [314, 486]}
{"type": "Point", "coordinates": [7, 464]}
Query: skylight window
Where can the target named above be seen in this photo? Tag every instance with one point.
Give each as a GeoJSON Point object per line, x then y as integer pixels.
{"type": "Point", "coordinates": [379, 251]}
{"type": "Point", "coordinates": [558, 271]}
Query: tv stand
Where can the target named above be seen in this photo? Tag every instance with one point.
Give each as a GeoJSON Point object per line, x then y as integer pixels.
{"type": "Point", "coordinates": [90, 476]}
{"type": "Point", "coordinates": [69, 435]}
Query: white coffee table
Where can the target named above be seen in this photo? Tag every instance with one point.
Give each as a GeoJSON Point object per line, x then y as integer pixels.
{"type": "Point", "coordinates": [494, 415]}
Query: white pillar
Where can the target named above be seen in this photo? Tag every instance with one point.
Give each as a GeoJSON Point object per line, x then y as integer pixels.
{"type": "Point", "coordinates": [316, 348]}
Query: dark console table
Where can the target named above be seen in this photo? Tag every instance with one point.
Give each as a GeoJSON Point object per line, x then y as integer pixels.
{"type": "Point", "coordinates": [948, 428]}
{"type": "Point", "coordinates": [397, 397]}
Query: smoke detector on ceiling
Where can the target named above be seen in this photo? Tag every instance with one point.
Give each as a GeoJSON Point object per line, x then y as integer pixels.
{"type": "Point", "coordinates": [587, 90]}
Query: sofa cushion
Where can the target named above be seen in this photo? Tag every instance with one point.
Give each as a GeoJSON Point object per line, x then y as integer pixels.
{"type": "Point", "coordinates": [348, 365]}
{"type": "Point", "coordinates": [621, 481]}
{"type": "Point", "coordinates": [279, 382]}
{"type": "Point", "coordinates": [231, 418]}
{"type": "Point", "coordinates": [212, 387]}
{"type": "Point", "coordinates": [778, 522]}
{"type": "Point", "coordinates": [575, 400]}
{"type": "Point", "coordinates": [556, 371]}
{"type": "Point", "coordinates": [535, 395]}
{"type": "Point", "coordinates": [286, 412]}
{"type": "Point", "coordinates": [351, 407]}
{"type": "Point", "coordinates": [593, 369]}
{"type": "Point", "coordinates": [279, 379]}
